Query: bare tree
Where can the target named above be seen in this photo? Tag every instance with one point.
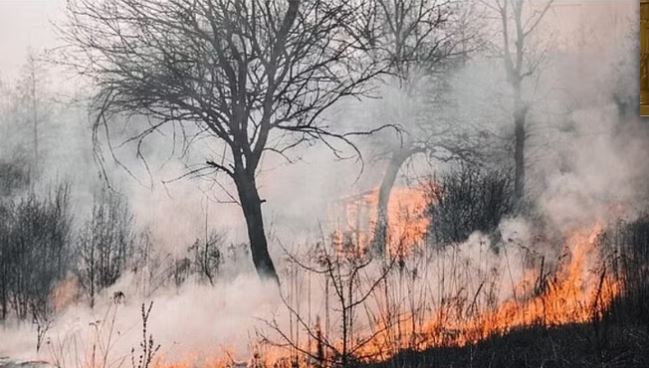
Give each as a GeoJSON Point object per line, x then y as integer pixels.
{"type": "Point", "coordinates": [14, 176]}
{"type": "Point", "coordinates": [32, 70]}
{"type": "Point", "coordinates": [206, 256]}
{"type": "Point", "coordinates": [629, 74]}
{"type": "Point", "coordinates": [105, 244]}
{"type": "Point", "coordinates": [518, 20]}
{"type": "Point", "coordinates": [421, 41]}
{"type": "Point", "coordinates": [26, 112]}
{"type": "Point", "coordinates": [34, 252]}
{"type": "Point", "coordinates": [253, 75]}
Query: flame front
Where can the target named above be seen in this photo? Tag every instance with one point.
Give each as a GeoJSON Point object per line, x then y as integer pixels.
{"type": "Point", "coordinates": [579, 289]}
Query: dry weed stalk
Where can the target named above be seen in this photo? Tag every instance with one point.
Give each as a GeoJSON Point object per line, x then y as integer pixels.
{"type": "Point", "coordinates": [148, 348]}
{"type": "Point", "coordinates": [351, 287]}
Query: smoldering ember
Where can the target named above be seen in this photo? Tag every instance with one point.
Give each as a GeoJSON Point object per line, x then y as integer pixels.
{"type": "Point", "coordinates": [323, 183]}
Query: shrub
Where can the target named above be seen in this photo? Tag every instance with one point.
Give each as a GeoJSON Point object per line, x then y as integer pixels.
{"type": "Point", "coordinates": [13, 176]}
{"type": "Point", "coordinates": [466, 200]}
{"type": "Point", "coordinates": [34, 252]}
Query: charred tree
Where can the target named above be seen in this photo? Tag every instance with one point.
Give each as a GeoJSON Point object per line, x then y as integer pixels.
{"type": "Point", "coordinates": [252, 75]}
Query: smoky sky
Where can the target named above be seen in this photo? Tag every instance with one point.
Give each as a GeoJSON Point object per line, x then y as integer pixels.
{"type": "Point", "coordinates": [25, 24]}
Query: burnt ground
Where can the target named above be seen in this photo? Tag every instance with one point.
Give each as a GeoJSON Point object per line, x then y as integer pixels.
{"type": "Point", "coordinates": [570, 346]}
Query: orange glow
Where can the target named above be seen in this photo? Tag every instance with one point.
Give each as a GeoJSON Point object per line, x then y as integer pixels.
{"type": "Point", "coordinates": [406, 228]}
{"type": "Point", "coordinates": [65, 293]}
{"type": "Point", "coordinates": [577, 290]}
{"type": "Point", "coordinates": [580, 291]}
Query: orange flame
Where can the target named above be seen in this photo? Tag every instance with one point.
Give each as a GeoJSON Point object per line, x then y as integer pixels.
{"type": "Point", "coordinates": [406, 223]}
{"type": "Point", "coordinates": [581, 290]}
{"type": "Point", "coordinates": [578, 291]}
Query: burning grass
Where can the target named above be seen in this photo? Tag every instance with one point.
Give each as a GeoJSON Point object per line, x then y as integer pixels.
{"type": "Point", "coordinates": [341, 308]}
{"type": "Point", "coordinates": [452, 300]}
{"type": "Point", "coordinates": [579, 291]}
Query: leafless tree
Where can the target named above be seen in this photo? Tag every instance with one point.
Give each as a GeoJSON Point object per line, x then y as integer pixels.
{"type": "Point", "coordinates": [202, 262]}
{"type": "Point", "coordinates": [521, 59]}
{"type": "Point", "coordinates": [27, 109]}
{"type": "Point", "coordinates": [34, 100]}
{"type": "Point", "coordinates": [42, 319]}
{"type": "Point", "coordinates": [105, 244]}
{"type": "Point", "coordinates": [14, 176]}
{"type": "Point", "coordinates": [421, 41]}
{"type": "Point", "coordinates": [34, 252]}
{"type": "Point", "coordinates": [628, 75]}
{"type": "Point", "coordinates": [206, 256]}
{"type": "Point", "coordinates": [254, 75]}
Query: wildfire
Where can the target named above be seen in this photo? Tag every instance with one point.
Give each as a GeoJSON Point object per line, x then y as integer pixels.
{"type": "Point", "coordinates": [406, 223]}
{"type": "Point", "coordinates": [577, 289]}
{"type": "Point", "coordinates": [580, 291]}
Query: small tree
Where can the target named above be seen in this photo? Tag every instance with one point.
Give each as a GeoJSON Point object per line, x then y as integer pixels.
{"type": "Point", "coordinates": [105, 244]}
{"type": "Point", "coordinates": [518, 21]}
{"type": "Point", "coordinates": [13, 176]}
{"type": "Point", "coordinates": [206, 256]}
{"type": "Point", "coordinates": [26, 108]}
{"type": "Point", "coordinates": [32, 92]}
{"type": "Point", "coordinates": [421, 41]}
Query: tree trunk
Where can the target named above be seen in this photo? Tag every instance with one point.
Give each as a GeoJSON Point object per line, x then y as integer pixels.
{"type": "Point", "coordinates": [251, 206]}
{"type": "Point", "coordinates": [3, 303]}
{"type": "Point", "coordinates": [520, 114]}
{"type": "Point", "coordinates": [92, 276]}
{"type": "Point", "coordinates": [379, 242]}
